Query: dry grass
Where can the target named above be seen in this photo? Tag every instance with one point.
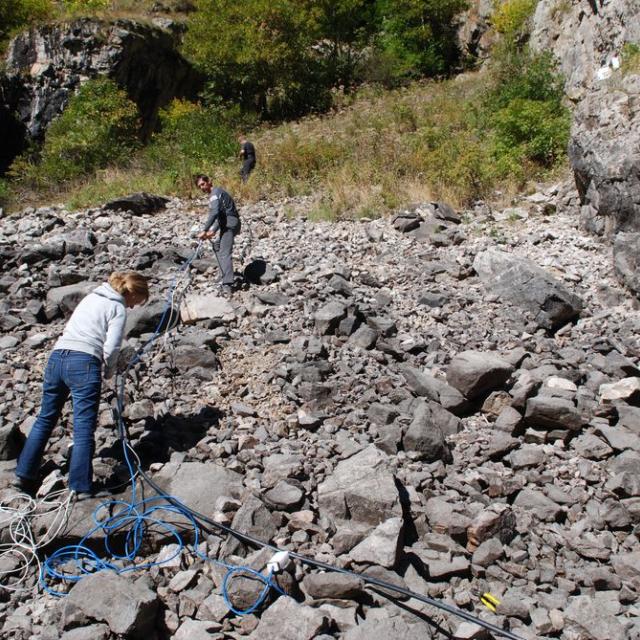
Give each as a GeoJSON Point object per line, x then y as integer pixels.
{"type": "Point", "coordinates": [381, 151]}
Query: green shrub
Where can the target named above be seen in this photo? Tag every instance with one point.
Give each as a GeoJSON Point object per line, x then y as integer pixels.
{"type": "Point", "coordinates": [192, 138]}
{"type": "Point", "coordinates": [418, 37]}
{"type": "Point", "coordinates": [630, 58]}
{"type": "Point", "coordinates": [15, 14]}
{"type": "Point", "coordinates": [532, 130]}
{"type": "Point", "coordinates": [4, 192]}
{"type": "Point", "coordinates": [257, 53]}
{"type": "Point", "coordinates": [85, 6]}
{"type": "Point", "coordinates": [98, 127]}
{"type": "Point", "coordinates": [510, 17]}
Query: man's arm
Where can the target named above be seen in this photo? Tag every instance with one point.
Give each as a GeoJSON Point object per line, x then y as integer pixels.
{"type": "Point", "coordinates": [214, 212]}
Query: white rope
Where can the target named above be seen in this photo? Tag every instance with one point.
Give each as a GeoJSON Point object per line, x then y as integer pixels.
{"type": "Point", "coordinates": [19, 557]}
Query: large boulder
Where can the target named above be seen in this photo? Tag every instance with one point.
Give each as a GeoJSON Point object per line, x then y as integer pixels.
{"type": "Point", "coordinates": [605, 156]}
{"type": "Point", "coordinates": [328, 317]}
{"type": "Point", "coordinates": [67, 298]}
{"type": "Point", "coordinates": [626, 260]}
{"type": "Point", "coordinates": [524, 284]}
{"type": "Point", "coordinates": [157, 316]}
{"type": "Point", "coordinates": [423, 383]}
{"type": "Point", "coordinates": [473, 373]}
{"type": "Point", "coordinates": [127, 605]}
{"type": "Point", "coordinates": [361, 489]}
{"type": "Point", "coordinates": [137, 203]}
{"type": "Point", "coordinates": [424, 436]}
{"type": "Point", "coordinates": [196, 307]}
{"type": "Point", "coordinates": [288, 620]}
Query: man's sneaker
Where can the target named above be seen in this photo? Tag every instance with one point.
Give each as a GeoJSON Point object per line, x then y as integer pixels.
{"type": "Point", "coordinates": [226, 290]}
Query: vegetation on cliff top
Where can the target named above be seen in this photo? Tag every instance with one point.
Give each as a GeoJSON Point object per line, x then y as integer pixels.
{"type": "Point", "coordinates": [374, 149]}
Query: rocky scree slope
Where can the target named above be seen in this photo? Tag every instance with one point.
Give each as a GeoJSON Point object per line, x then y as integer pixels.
{"type": "Point", "coordinates": [447, 401]}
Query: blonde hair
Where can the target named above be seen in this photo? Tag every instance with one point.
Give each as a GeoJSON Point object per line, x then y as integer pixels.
{"type": "Point", "coordinates": [130, 282]}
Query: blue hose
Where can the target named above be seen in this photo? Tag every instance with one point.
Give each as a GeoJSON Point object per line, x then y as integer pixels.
{"type": "Point", "coordinates": [132, 519]}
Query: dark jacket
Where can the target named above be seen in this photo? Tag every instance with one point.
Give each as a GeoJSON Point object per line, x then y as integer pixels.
{"type": "Point", "coordinates": [222, 211]}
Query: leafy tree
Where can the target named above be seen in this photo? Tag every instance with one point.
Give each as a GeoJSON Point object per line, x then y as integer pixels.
{"type": "Point", "coordinates": [257, 53]}
{"type": "Point", "coordinates": [418, 37]}
{"type": "Point", "coordinates": [343, 28]}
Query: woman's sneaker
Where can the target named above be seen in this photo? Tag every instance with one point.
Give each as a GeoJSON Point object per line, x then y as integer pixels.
{"type": "Point", "coordinates": [23, 485]}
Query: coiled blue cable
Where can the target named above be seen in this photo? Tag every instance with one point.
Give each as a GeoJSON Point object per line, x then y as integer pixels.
{"type": "Point", "coordinates": [132, 519]}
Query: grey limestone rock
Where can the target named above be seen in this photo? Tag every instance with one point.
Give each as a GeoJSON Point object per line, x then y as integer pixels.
{"type": "Point", "coordinates": [524, 284]}
{"type": "Point", "coordinates": [424, 435]}
{"type": "Point", "coordinates": [593, 622]}
{"type": "Point", "coordinates": [127, 605]}
{"type": "Point", "coordinates": [90, 632]}
{"type": "Point", "coordinates": [548, 412]}
{"type": "Point", "coordinates": [361, 489]}
{"type": "Point", "coordinates": [288, 620]}
{"type": "Point", "coordinates": [382, 546]}
{"type": "Point", "coordinates": [626, 260]}
{"type": "Point", "coordinates": [198, 484]}
{"type": "Point", "coordinates": [543, 507]}
{"type": "Point", "coordinates": [68, 297]}
{"type": "Point", "coordinates": [137, 203]}
{"type": "Point", "coordinates": [284, 496]}
{"type": "Point", "coordinates": [328, 317]}
{"type": "Point", "coordinates": [473, 373]}
{"type": "Point", "coordinates": [333, 585]}
{"type": "Point", "coordinates": [424, 384]}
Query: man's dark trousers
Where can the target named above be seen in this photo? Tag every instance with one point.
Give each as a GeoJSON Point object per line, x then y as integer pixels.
{"type": "Point", "coordinates": [225, 252]}
{"type": "Point", "coordinates": [247, 168]}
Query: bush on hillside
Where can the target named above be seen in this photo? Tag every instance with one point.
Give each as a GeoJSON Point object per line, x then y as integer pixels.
{"type": "Point", "coordinates": [85, 6]}
{"type": "Point", "coordinates": [257, 53]}
{"type": "Point", "coordinates": [510, 17]}
{"type": "Point", "coordinates": [15, 14]}
{"type": "Point", "coordinates": [526, 112]}
{"type": "Point", "coordinates": [99, 126]}
{"type": "Point", "coordinates": [192, 138]}
{"type": "Point", "coordinates": [630, 58]}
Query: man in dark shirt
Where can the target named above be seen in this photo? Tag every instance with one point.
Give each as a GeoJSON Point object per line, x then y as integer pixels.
{"type": "Point", "coordinates": [248, 155]}
{"type": "Point", "coordinates": [223, 216]}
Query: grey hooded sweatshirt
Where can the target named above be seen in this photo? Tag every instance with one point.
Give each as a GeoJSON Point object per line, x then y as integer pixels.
{"type": "Point", "coordinates": [97, 327]}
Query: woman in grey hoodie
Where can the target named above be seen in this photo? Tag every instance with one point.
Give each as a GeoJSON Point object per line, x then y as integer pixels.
{"type": "Point", "coordinates": [88, 347]}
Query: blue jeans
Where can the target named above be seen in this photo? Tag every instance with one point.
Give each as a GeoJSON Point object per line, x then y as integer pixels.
{"type": "Point", "coordinates": [78, 374]}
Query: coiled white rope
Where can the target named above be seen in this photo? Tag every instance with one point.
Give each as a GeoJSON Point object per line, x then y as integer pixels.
{"type": "Point", "coordinates": [19, 553]}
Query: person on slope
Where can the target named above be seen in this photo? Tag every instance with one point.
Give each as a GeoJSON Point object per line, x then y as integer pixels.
{"type": "Point", "coordinates": [248, 155]}
{"type": "Point", "coordinates": [87, 349]}
{"type": "Point", "coordinates": [223, 216]}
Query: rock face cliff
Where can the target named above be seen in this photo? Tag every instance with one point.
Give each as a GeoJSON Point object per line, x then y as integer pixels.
{"type": "Point", "coordinates": [585, 36]}
{"type": "Point", "coordinates": [44, 66]}
{"type": "Point", "coordinates": [590, 39]}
